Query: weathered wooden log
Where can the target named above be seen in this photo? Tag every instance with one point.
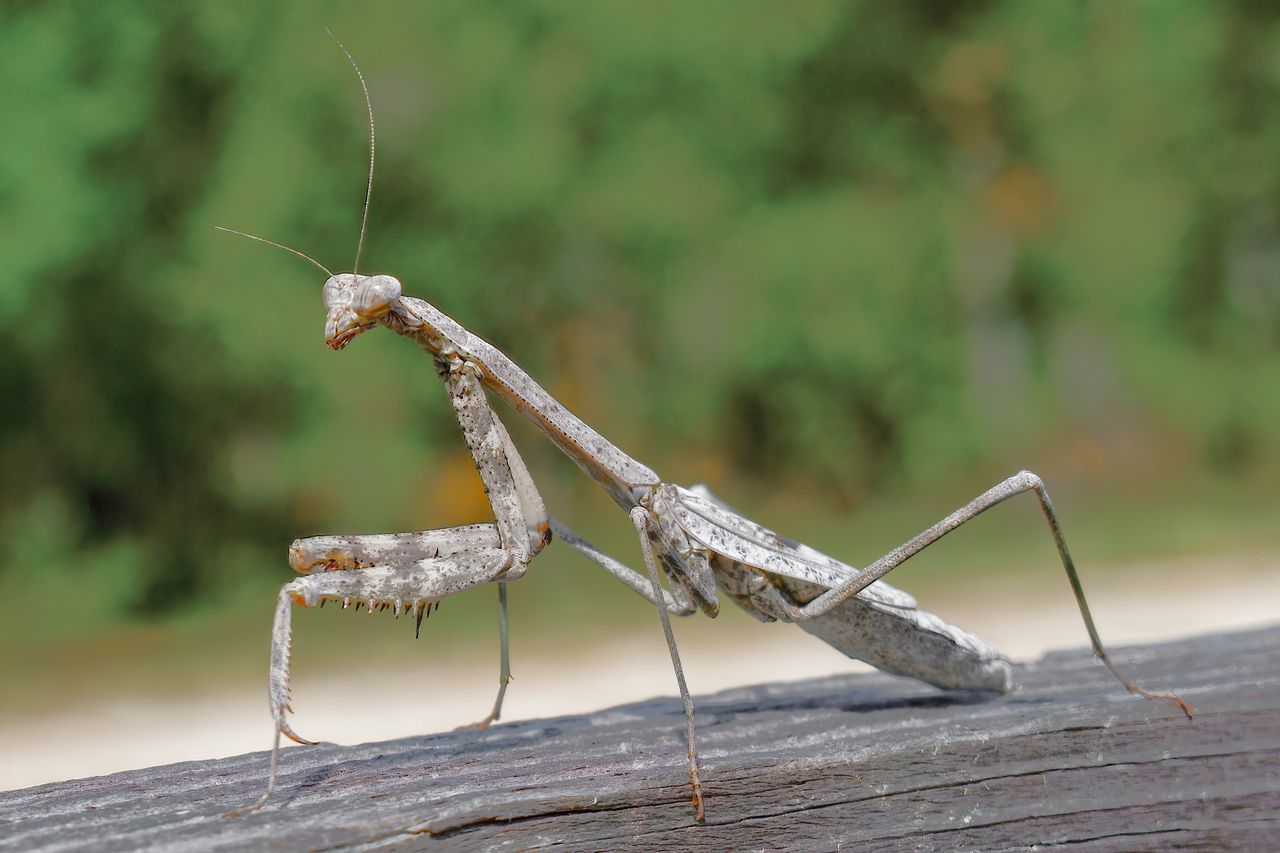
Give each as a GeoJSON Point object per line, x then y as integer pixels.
{"type": "Point", "coordinates": [861, 762]}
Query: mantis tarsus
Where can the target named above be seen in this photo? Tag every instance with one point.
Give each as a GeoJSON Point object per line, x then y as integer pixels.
{"type": "Point", "coordinates": [700, 544]}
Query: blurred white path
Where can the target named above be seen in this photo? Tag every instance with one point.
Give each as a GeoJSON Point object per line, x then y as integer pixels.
{"type": "Point", "coordinates": [1131, 604]}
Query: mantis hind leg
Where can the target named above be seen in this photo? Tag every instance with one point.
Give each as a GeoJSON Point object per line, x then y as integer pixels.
{"type": "Point", "coordinates": [1023, 481]}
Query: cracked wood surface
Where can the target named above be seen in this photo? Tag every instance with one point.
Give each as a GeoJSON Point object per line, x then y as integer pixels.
{"type": "Point", "coordinates": [860, 762]}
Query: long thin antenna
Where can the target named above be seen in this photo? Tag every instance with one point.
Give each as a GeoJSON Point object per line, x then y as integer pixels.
{"type": "Point", "coordinates": [368, 193]}
{"type": "Point", "coordinates": [278, 246]}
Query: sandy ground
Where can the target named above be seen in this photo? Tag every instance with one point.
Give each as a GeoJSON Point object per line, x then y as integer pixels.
{"type": "Point", "coordinates": [1138, 603]}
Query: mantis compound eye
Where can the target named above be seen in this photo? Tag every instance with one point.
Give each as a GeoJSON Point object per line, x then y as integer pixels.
{"type": "Point", "coordinates": [374, 295]}
{"type": "Point", "coordinates": [355, 303]}
{"type": "Point", "coordinates": [337, 290]}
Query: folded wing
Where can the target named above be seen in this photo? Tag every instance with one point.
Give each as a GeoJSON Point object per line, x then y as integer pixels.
{"type": "Point", "coordinates": [706, 519]}
{"type": "Point", "coordinates": [881, 625]}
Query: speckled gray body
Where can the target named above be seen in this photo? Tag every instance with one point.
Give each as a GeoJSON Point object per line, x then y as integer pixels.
{"type": "Point", "coordinates": [700, 544]}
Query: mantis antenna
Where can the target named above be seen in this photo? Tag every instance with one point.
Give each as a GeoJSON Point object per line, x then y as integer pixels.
{"type": "Point", "coordinates": [368, 193]}
{"type": "Point", "coordinates": [302, 255]}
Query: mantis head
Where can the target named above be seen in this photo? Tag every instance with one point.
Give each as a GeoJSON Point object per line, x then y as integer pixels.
{"type": "Point", "coordinates": [355, 304]}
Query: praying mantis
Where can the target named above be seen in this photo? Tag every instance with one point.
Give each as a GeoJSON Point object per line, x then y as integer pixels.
{"type": "Point", "coordinates": [701, 545]}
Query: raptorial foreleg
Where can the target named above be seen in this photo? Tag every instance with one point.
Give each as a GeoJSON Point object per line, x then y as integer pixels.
{"type": "Point", "coordinates": [406, 589]}
{"type": "Point", "coordinates": [521, 517]}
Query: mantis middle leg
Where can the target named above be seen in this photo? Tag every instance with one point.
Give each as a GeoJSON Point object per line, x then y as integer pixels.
{"type": "Point", "coordinates": [640, 518]}
{"type": "Point", "coordinates": [676, 602]}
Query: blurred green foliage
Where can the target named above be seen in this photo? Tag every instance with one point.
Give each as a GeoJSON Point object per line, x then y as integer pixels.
{"type": "Point", "coordinates": [831, 250]}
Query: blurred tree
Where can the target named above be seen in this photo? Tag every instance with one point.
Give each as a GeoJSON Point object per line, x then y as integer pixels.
{"type": "Point", "coordinates": [826, 246]}
{"type": "Point", "coordinates": [115, 413]}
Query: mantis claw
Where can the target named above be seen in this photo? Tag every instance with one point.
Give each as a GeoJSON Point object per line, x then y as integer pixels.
{"type": "Point", "coordinates": [479, 726]}
{"type": "Point", "coordinates": [293, 736]}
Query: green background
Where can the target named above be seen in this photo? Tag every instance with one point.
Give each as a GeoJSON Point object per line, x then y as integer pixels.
{"type": "Point", "coordinates": [850, 263]}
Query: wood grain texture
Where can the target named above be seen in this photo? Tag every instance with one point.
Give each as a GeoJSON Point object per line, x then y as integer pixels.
{"type": "Point", "coordinates": [863, 762]}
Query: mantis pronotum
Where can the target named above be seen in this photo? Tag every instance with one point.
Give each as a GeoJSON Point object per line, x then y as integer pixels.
{"type": "Point", "coordinates": [699, 543]}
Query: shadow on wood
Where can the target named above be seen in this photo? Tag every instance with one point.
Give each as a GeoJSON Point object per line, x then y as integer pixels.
{"type": "Point", "coordinates": [862, 762]}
